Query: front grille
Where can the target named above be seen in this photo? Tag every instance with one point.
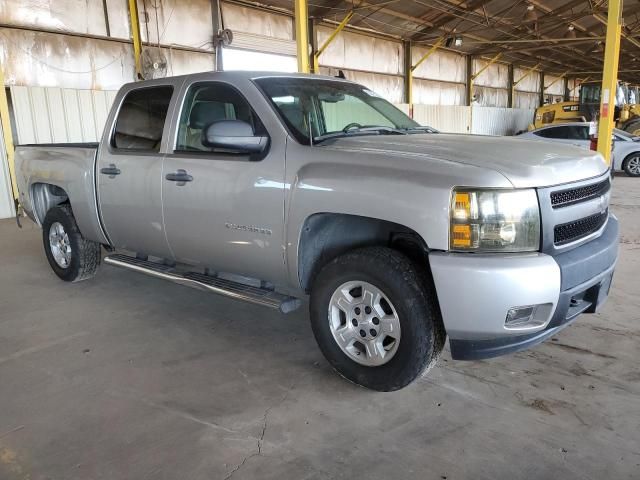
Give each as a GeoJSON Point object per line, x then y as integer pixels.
{"type": "Point", "coordinates": [564, 198]}
{"type": "Point", "coordinates": [572, 231]}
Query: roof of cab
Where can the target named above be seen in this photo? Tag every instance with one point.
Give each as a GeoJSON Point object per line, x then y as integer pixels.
{"type": "Point", "coordinates": [236, 75]}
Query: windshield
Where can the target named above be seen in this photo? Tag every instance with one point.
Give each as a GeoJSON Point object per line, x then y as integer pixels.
{"type": "Point", "coordinates": [625, 134]}
{"type": "Point", "coordinates": [328, 108]}
{"type": "Point", "coordinates": [622, 133]}
{"type": "Point", "coordinates": [590, 93]}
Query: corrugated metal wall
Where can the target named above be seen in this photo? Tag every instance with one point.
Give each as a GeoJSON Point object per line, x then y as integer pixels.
{"type": "Point", "coordinates": [57, 115]}
{"type": "Point", "coordinates": [490, 88]}
{"type": "Point", "coordinates": [500, 121]}
{"type": "Point", "coordinates": [446, 118]}
{"type": "Point", "coordinates": [477, 119]}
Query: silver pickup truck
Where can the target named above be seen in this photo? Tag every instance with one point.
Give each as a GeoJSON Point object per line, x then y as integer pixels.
{"type": "Point", "coordinates": [271, 187]}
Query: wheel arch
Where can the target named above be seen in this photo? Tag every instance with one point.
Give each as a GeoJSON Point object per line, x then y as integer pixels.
{"type": "Point", "coordinates": [45, 196]}
{"type": "Point", "coordinates": [327, 235]}
{"type": "Point", "coordinates": [623, 164]}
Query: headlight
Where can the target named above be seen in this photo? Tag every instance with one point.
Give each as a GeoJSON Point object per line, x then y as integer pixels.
{"type": "Point", "coordinates": [494, 220]}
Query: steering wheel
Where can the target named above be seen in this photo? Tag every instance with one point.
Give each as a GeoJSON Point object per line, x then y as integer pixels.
{"type": "Point", "coordinates": [350, 126]}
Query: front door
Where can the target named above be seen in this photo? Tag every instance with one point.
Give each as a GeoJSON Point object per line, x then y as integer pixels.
{"type": "Point", "coordinates": [129, 172]}
{"type": "Point", "coordinates": [223, 210]}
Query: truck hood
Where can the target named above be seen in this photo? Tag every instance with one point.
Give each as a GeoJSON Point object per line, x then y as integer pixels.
{"type": "Point", "coordinates": [525, 163]}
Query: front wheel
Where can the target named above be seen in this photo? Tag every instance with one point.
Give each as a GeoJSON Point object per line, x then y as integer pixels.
{"type": "Point", "coordinates": [376, 318]}
{"type": "Point", "coordinates": [72, 257]}
{"type": "Point", "coordinates": [631, 165]}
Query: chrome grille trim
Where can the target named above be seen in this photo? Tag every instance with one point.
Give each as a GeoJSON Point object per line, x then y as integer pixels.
{"type": "Point", "coordinates": [571, 212]}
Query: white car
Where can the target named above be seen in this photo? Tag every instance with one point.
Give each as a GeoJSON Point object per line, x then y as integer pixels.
{"type": "Point", "coordinates": [626, 149]}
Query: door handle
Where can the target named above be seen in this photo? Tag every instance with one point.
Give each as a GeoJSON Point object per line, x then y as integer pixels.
{"type": "Point", "coordinates": [111, 170]}
{"type": "Point", "coordinates": [181, 176]}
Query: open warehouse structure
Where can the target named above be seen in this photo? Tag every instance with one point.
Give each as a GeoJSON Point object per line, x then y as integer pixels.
{"type": "Point", "coordinates": [409, 228]}
{"type": "Point", "coordinates": [436, 60]}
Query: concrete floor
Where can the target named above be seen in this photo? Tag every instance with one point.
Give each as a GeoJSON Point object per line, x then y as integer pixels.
{"type": "Point", "coordinates": [128, 377]}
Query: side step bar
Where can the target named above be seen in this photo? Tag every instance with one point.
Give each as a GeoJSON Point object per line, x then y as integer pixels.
{"type": "Point", "coordinates": [239, 291]}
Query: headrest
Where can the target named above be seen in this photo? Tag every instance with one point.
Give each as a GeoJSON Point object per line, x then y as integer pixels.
{"type": "Point", "coordinates": [136, 121]}
{"type": "Point", "coordinates": [204, 114]}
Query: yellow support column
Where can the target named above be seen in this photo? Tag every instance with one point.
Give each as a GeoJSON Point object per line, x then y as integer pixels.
{"type": "Point", "coordinates": [473, 77]}
{"type": "Point", "coordinates": [302, 35]}
{"type": "Point", "coordinates": [5, 121]}
{"type": "Point", "coordinates": [609, 79]}
{"type": "Point", "coordinates": [135, 36]}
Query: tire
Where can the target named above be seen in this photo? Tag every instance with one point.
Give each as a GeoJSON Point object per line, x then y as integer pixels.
{"type": "Point", "coordinates": [82, 256]}
{"type": "Point", "coordinates": [408, 294]}
{"type": "Point", "coordinates": [631, 165]}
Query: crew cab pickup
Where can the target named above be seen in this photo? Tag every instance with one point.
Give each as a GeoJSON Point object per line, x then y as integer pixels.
{"type": "Point", "coordinates": [269, 188]}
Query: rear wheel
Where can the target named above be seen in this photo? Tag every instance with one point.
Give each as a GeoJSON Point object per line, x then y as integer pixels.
{"type": "Point", "coordinates": [71, 256]}
{"type": "Point", "coordinates": [376, 318]}
{"type": "Point", "coordinates": [631, 165]}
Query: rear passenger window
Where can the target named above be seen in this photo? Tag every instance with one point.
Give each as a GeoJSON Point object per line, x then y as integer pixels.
{"type": "Point", "coordinates": [556, 132]}
{"type": "Point", "coordinates": [205, 104]}
{"type": "Point", "coordinates": [141, 119]}
{"type": "Point", "coordinates": [579, 132]}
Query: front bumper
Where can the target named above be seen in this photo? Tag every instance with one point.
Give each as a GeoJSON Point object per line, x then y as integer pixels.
{"type": "Point", "coordinates": [476, 291]}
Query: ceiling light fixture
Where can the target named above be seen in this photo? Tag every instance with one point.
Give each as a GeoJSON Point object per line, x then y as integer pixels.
{"type": "Point", "coordinates": [530, 15]}
{"type": "Point", "coordinates": [571, 32]}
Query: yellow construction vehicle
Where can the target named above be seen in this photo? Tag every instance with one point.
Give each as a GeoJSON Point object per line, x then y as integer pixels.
{"type": "Point", "coordinates": [627, 111]}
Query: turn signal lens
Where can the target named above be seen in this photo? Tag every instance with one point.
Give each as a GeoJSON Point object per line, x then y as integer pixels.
{"type": "Point", "coordinates": [461, 236]}
{"type": "Point", "coordinates": [462, 206]}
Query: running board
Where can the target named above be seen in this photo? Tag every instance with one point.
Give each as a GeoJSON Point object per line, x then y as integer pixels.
{"type": "Point", "coordinates": [239, 291]}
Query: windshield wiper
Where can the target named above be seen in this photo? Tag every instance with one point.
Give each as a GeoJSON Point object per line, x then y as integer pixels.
{"type": "Point", "coordinates": [420, 129]}
{"type": "Point", "coordinates": [355, 131]}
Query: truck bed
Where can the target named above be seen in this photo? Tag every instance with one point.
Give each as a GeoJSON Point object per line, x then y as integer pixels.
{"type": "Point", "coordinates": [71, 168]}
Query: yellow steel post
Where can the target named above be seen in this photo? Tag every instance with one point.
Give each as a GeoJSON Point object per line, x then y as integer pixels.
{"type": "Point", "coordinates": [135, 36]}
{"type": "Point", "coordinates": [302, 35]}
{"type": "Point", "coordinates": [327, 42]}
{"type": "Point", "coordinates": [5, 122]}
{"type": "Point", "coordinates": [479, 72]}
{"type": "Point", "coordinates": [609, 79]}
{"type": "Point", "coordinates": [409, 88]}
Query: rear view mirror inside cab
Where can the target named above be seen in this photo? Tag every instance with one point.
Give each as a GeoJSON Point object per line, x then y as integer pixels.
{"type": "Point", "coordinates": [331, 97]}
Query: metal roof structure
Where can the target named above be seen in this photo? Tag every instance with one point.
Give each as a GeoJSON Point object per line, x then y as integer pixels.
{"type": "Point", "coordinates": [562, 36]}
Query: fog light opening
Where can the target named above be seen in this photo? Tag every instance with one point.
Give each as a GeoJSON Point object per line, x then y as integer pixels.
{"type": "Point", "coordinates": [524, 317]}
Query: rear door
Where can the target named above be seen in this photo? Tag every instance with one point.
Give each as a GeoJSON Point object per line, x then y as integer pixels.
{"type": "Point", "coordinates": [129, 170]}
{"type": "Point", "coordinates": [227, 212]}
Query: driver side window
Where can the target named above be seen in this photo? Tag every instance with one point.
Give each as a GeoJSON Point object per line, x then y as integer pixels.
{"type": "Point", "coordinates": [206, 103]}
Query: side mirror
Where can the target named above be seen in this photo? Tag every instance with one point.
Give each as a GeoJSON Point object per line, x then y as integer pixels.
{"type": "Point", "coordinates": [234, 136]}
